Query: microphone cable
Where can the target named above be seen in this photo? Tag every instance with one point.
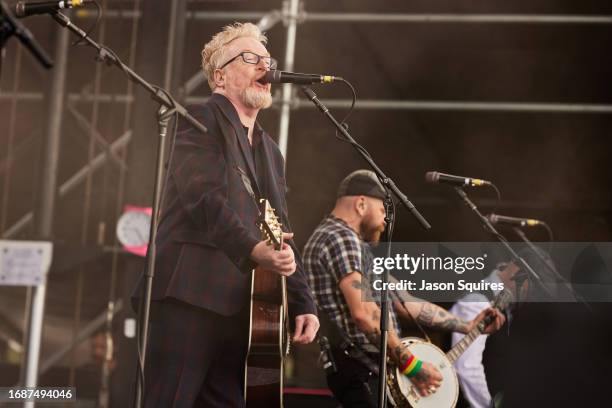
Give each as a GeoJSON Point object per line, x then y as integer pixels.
{"type": "Point", "coordinates": [345, 125]}
{"type": "Point", "coordinates": [79, 41]}
{"type": "Point", "coordinates": [498, 193]}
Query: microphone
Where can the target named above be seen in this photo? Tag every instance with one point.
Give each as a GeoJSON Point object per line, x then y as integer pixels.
{"type": "Point", "coordinates": [12, 26]}
{"type": "Point", "coordinates": [522, 222]}
{"type": "Point", "coordinates": [284, 77]}
{"type": "Point", "coordinates": [23, 9]}
{"type": "Point", "coordinates": [436, 177]}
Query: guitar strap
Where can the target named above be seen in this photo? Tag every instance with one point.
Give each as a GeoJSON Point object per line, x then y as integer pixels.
{"type": "Point", "coordinates": [246, 180]}
{"type": "Point", "coordinates": [339, 340]}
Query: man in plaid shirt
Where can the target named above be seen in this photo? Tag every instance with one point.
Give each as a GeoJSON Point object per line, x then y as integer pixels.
{"type": "Point", "coordinates": [337, 259]}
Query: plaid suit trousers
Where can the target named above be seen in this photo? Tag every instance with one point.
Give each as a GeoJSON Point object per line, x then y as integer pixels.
{"type": "Point", "coordinates": [198, 357]}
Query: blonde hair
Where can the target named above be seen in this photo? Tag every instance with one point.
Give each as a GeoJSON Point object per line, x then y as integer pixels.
{"type": "Point", "coordinates": [214, 51]}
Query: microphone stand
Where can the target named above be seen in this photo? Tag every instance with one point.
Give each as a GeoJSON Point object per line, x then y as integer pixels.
{"type": "Point", "coordinates": [551, 268]}
{"type": "Point", "coordinates": [390, 187]}
{"type": "Point", "coordinates": [525, 268]}
{"type": "Point", "coordinates": [384, 304]}
{"type": "Point", "coordinates": [386, 181]}
{"type": "Point", "coordinates": [168, 108]}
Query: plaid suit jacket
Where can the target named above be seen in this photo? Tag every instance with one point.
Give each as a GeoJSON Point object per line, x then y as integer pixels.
{"type": "Point", "coordinates": [208, 225]}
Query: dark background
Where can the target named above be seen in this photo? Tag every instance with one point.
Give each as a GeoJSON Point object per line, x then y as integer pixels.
{"type": "Point", "coordinates": [552, 166]}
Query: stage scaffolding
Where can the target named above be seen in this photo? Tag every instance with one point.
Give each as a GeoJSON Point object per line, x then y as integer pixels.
{"type": "Point", "coordinates": [58, 104]}
{"type": "Point", "coordinates": [291, 14]}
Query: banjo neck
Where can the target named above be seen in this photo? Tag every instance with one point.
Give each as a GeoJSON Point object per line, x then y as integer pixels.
{"type": "Point", "coordinates": [501, 302]}
{"type": "Point", "coordinates": [463, 344]}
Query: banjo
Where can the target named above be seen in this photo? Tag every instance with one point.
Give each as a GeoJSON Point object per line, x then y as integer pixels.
{"type": "Point", "coordinates": [405, 395]}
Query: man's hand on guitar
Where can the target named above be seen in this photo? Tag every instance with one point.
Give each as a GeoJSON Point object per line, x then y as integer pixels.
{"type": "Point", "coordinates": [281, 262]}
{"type": "Point", "coordinates": [497, 320]}
{"type": "Point", "coordinates": [427, 380]}
{"type": "Point", "coordinates": [306, 327]}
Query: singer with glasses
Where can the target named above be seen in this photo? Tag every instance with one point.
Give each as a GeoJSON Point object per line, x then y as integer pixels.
{"type": "Point", "coordinates": [208, 239]}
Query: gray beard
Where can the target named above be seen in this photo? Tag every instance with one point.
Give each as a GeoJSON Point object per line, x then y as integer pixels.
{"type": "Point", "coordinates": [256, 99]}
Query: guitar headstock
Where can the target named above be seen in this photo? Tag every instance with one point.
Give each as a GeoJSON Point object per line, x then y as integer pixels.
{"type": "Point", "coordinates": [270, 226]}
{"type": "Point", "coordinates": [503, 300]}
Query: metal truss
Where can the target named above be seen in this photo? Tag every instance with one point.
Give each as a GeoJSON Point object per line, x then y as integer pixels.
{"type": "Point", "coordinates": [304, 16]}
{"type": "Point", "coordinates": [90, 328]}
{"type": "Point", "coordinates": [292, 13]}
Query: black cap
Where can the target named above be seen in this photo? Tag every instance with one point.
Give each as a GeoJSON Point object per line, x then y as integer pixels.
{"type": "Point", "coordinates": [361, 182]}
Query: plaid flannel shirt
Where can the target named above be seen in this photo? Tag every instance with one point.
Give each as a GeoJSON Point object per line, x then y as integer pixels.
{"type": "Point", "coordinates": [333, 251]}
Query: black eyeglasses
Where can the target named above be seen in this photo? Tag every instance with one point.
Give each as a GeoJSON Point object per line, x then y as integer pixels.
{"type": "Point", "coordinates": [252, 58]}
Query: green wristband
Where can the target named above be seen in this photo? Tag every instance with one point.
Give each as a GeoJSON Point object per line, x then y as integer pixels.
{"type": "Point", "coordinates": [415, 370]}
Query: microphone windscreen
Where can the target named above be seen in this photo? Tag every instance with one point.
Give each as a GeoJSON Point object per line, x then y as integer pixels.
{"type": "Point", "coordinates": [432, 177]}
{"type": "Point", "coordinates": [271, 77]}
{"type": "Point", "coordinates": [19, 9]}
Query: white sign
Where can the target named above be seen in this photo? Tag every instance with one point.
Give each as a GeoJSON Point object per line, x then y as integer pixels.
{"type": "Point", "coordinates": [24, 263]}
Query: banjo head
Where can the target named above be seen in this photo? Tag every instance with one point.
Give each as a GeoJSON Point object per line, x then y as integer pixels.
{"type": "Point", "coordinates": [446, 395]}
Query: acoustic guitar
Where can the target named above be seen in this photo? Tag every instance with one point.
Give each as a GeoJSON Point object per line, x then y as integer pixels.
{"type": "Point", "coordinates": [269, 340]}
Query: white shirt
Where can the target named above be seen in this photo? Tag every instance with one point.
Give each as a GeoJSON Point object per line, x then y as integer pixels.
{"type": "Point", "coordinates": [469, 366]}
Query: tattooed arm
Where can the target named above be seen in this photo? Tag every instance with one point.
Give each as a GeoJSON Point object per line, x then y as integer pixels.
{"type": "Point", "coordinates": [428, 314]}
{"type": "Point", "coordinates": [431, 315]}
{"type": "Point", "coordinates": [367, 317]}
